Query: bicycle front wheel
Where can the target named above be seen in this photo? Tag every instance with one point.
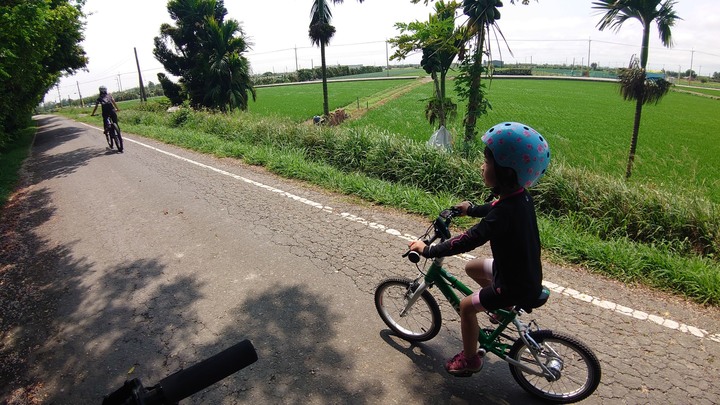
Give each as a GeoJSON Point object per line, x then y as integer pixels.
{"type": "Point", "coordinates": [420, 322]}
{"type": "Point", "coordinates": [575, 368]}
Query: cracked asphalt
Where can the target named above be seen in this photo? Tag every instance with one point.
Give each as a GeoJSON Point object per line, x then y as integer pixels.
{"type": "Point", "coordinates": [157, 261]}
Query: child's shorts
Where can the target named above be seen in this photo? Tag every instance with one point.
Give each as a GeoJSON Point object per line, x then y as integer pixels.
{"type": "Point", "coordinates": [489, 298]}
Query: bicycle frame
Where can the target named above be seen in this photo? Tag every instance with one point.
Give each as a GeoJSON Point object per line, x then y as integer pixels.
{"type": "Point", "coordinates": [436, 275]}
{"type": "Point", "coordinates": [107, 123]}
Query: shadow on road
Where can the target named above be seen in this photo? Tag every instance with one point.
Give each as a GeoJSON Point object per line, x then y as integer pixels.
{"type": "Point", "coordinates": [485, 387]}
{"type": "Point", "coordinates": [294, 331]}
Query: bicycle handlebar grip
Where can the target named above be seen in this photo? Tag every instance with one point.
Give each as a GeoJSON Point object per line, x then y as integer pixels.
{"type": "Point", "coordinates": [197, 377]}
{"type": "Point", "coordinates": [414, 257]}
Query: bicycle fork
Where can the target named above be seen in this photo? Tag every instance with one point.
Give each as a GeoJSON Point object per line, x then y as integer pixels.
{"type": "Point", "coordinates": [551, 369]}
{"type": "Point", "coordinates": [414, 292]}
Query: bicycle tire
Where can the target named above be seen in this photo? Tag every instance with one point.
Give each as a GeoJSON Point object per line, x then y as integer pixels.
{"type": "Point", "coordinates": [108, 138]}
{"type": "Point", "coordinates": [117, 136]}
{"type": "Point", "coordinates": [421, 323]}
{"type": "Point", "coordinates": [578, 378]}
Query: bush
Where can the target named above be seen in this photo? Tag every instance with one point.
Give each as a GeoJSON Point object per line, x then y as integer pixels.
{"type": "Point", "coordinates": [613, 209]}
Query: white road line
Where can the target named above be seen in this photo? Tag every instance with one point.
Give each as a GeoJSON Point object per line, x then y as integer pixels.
{"type": "Point", "coordinates": [611, 306]}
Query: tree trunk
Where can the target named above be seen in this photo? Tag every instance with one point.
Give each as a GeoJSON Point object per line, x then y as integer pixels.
{"type": "Point", "coordinates": [640, 100]}
{"type": "Point", "coordinates": [633, 141]}
{"type": "Point", "coordinates": [326, 108]}
{"type": "Point", "coordinates": [440, 99]}
{"type": "Point", "coordinates": [474, 93]}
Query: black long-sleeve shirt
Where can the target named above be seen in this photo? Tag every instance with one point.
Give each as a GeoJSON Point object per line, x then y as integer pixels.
{"type": "Point", "coordinates": [510, 225]}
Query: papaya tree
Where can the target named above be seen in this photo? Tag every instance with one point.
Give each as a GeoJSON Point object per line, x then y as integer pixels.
{"type": "Point", "coordinates": [439, 41]}
{"type": "Point", "coordinates": [482, 16]}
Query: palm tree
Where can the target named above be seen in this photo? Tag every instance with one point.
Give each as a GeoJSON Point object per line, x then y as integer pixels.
{"type": "Point", "coordinates": [205, 51]}
{"type": "Point", "coordinates": [634, 82]}
{"type": "Point", "coordinates": [482, 18]}
{"type": "Point", "coordinates": [320, 33]}
{"type": "Point", "coordinates": [228, 82]}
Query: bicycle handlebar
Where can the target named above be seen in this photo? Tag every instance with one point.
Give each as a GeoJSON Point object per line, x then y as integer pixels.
{"type": "Point", "coordinates": [441, 227]}
{"type": "Point", "coordinates": [184, 383]}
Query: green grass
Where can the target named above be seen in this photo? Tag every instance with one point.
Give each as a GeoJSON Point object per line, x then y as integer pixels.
{"type": "Point", "coordinates": [303, 101]}
{"type": "Point", "coordinates": [715, 92]}
{"type": "Point", "coordinates": [588, 125]}
{"type": "Point", "coordinates": [12, 156]}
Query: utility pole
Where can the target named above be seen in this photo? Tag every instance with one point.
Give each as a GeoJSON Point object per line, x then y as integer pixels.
{"type": "Point", "coordinates": [296, 62]}
{"type": "Point", "coordinates": [387, 57]}
{"type": "Point", "coordinates": [692, 54]}
{"type": "Point", "coordinates": [142, 87]}
{"type": "Point", "coordinates": [80, 95]}
{"type": "Point", "coordinates": [59, 96]}
{"type": "Point", "coordinates": [119, 82]}
{"type": "Point", "coordinates": [589, 41]}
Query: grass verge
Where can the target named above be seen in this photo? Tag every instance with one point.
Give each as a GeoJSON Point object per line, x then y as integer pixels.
{"type": "Point", "coordinates": [12, 155]}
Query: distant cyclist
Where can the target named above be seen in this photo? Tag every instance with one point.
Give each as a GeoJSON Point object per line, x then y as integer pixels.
{"type": "Point", "coordinates": [109, 107]}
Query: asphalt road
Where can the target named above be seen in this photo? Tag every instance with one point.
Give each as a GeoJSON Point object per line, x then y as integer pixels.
{"type": "Point", "coordinates": [163, 257]}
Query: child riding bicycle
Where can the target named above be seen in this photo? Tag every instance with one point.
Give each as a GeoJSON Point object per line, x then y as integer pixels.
{"type": "Point", "coordinates": [108, 109]}
{"type": "Point", "coordinates": [516, 156]}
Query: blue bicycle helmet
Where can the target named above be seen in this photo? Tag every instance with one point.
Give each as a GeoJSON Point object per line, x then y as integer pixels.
{"type": "Point", "coordinates": [520, 148]}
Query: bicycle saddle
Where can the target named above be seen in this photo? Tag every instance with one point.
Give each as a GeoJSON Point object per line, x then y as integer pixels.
{"type": "Point", "coordinates": [539, 301]}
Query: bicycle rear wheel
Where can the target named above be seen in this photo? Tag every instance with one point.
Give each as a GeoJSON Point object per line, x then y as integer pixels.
{"type": "Point", "coordinates": [108, 138]}
{"type": "Point", "coordinates": [576, 369]}
{"type": "Point", "coordinates": [116, 135]}
{"type": "Point", "coordinates": [420, 323]}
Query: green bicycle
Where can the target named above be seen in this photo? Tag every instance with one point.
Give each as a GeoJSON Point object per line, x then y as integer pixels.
{"type": "Point", "coordinates": [552, 366]}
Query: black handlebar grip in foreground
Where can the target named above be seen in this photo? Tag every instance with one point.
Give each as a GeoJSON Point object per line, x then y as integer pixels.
{"type": "Point", "coordinates": [199, 376]}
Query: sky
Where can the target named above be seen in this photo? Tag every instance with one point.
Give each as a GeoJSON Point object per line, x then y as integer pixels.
{"type": "Point", "coordinates": [545, 31]}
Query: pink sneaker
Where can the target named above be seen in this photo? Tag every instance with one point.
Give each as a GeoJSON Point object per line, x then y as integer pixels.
{"type": "Point", "coordinates": [462, 366]}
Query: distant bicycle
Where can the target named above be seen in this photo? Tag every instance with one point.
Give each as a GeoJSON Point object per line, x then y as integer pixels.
{"type": "Point", "coordinates": [112, 134]}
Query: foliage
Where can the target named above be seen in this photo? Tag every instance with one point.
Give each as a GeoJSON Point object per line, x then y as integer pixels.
{"type": "Point", "coordinates": [439, 42]}
{"type": "Point", "coordinates": [12, 155]}
{"type": "Point", "coordinates": [206, 52]}
{"type": "Point", "coordinates": [482, 18]}
{"type": "Point", "coordinates": [635, 83]}
{"type": "Point", "coordinates": [173, 91]}
{"type": "Point", "coordinates": [39, 41]}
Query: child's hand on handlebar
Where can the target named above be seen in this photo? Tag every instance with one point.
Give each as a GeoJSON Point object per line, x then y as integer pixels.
{"type": "Point", "coordinates": [463, 207]}
{"type": "Point", "coordinates": [417, 246]}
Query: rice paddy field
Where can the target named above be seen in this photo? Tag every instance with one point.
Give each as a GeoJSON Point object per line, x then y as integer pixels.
{"type": "Point", "coordinates": [587, 123]}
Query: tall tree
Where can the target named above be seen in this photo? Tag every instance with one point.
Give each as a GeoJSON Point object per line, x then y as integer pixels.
{"type": "Point", "coordinates": [635, 85]}
{"type": "Point", "coordinates": [39, 42]}
{"type": "Point", "coordinates": [482, 18]}
{"type": "Point", "coordinates": [320, 32]}
{"type": "Point", "coordinates": [229, 82]}
{"type": "Point", "coordinates": [206, 52]}
{"type": "Point", "coordinates": [439, 41]}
